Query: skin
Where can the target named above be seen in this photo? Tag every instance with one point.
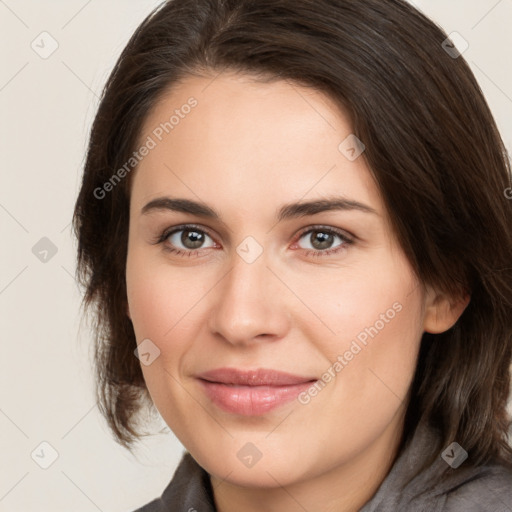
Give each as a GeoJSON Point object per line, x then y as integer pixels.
{"type": "Point", "coordinates": [246, 149]}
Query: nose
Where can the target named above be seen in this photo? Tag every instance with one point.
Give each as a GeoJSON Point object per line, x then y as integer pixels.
{"type": "Point", "coordinates": [249, 304]}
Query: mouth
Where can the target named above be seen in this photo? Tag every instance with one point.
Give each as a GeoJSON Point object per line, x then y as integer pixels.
{"type": "Point", "coordinates": [253, 392]}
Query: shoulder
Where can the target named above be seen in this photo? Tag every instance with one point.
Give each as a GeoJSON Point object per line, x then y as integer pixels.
{"type": "Point", "coordinates": [490, 489]}
{"type": "Point", "coordinates": [440, 487]}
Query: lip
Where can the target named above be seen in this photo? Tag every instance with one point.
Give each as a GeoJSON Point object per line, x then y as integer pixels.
{"type": "Point", "coordinates": [252, 392]}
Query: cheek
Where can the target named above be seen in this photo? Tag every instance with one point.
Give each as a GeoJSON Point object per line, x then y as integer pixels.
{"type": "Point", "coordinates": [393, 350]}
{"type": "Point", "coordinates": [146, 295]}
{"type": "Point", "coordinates": [151, 304]}
{"type": "Point", "coordinates": [163, 300]}
{"type": "Point", "coordinates": [362, 303]}
{"type": "Point", "coordinates": [368, 326]}
{"type": "Point", "coordinates": [160, 304]}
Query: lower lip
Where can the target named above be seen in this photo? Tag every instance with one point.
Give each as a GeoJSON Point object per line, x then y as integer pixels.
{"type": "Point", "coordinates": [251, 400]}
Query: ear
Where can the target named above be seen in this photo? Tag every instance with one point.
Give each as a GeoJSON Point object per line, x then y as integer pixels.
{"type": "Point", "coordinates": [443, 311]}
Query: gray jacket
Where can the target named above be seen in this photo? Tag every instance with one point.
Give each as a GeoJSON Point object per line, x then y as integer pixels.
{"type": "Point", "coordinates": [464, 489]}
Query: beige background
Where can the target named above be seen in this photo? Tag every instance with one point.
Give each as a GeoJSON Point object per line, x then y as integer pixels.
{"type": "Point", "coordinates": [47, 105]}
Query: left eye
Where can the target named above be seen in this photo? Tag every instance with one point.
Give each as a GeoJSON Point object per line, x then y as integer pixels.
{"type": "Point", "coordinates": [322, 239]}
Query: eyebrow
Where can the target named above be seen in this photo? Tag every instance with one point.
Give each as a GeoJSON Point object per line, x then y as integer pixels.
{"type": "Point", "coordinates": [287, 211]}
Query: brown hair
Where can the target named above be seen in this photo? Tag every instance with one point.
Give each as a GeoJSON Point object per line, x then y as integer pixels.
{"type": "Point", "coordinates": [431, 144]}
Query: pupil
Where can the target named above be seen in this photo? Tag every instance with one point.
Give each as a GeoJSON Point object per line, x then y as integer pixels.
{"type": "Point", "coordinates": [192, 239]}
{"type": "Point", "coordinates": [321, 240]}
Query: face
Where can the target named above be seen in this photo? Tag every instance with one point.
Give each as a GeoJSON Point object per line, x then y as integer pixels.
{"type": "Point", "coordinates": [243, 281]}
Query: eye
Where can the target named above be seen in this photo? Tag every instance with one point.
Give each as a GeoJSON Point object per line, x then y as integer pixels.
{"type": "Point", "coordinates": [187, 240]}
{"type": "Point", "coordinates": [321, 240]}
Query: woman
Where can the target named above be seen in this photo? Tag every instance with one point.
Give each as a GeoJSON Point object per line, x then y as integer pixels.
{"type": "Point", "coordinates": [294, 226]}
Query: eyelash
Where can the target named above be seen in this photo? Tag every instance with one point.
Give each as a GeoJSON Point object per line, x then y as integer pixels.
{"type": "Point", "coordinates": [347, 241]}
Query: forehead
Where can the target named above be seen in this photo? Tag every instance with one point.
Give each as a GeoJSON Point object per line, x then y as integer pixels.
{"type": "Point", "coordinates": [252, 142]}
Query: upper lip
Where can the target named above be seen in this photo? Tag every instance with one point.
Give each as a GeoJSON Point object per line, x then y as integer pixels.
{"type": "Point", "coordinates": [259, 377]}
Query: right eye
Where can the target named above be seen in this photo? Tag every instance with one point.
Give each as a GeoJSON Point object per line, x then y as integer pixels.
{"type": "Point", "coordinates": [185, 240]}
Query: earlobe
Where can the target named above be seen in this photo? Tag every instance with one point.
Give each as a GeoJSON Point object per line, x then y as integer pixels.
{"type": "Point", "coordinates": [443, 311]}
